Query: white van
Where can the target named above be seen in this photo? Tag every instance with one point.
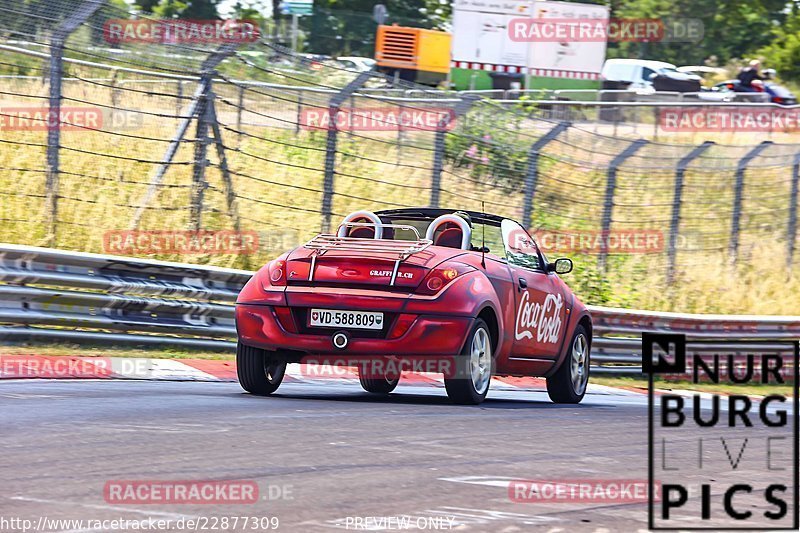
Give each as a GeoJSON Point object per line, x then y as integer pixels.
{"type": "Point", "coordinates": [639, 72]}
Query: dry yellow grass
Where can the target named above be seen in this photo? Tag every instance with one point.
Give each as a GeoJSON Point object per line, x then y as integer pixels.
{"type": "Point", "coordinates": [278, 181]}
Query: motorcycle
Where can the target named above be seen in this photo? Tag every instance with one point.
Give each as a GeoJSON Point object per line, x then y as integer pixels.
{"type": "Point", "coordinates": [761, 91]}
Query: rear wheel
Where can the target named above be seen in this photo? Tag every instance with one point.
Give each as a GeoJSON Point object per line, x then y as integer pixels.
{"type": "Point", "coordinates": [473, 368]}
{"type": "Point", "coordinates": [260, 371]}
{"type": "Point", "coordinates": [568, 384]}
{"type": "Point", "coordinates": [379, 385]}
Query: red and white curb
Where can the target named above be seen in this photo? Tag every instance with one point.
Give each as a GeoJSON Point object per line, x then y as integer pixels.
{"type": "Point", "coordinates": [73, 367]}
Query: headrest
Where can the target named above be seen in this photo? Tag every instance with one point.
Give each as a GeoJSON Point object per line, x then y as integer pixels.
{"type": "Point", "coordinates": [460, 223]}
{"type": "Point", "coordinates": [360, 231]}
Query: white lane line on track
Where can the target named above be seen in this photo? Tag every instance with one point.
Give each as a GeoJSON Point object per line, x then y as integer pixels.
{"type": "Point", "coordinates": [489, 481]}
{"type": "Point", "coordinates": [156, 369]}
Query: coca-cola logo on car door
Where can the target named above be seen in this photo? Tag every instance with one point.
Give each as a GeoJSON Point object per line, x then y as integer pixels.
{"type": "Point", "coordinates": [542, 318]}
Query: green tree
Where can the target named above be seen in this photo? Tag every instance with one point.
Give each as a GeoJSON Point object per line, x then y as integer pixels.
{"type": "Point", "coordinates": [188, 9]}
{"type": "Point", "coordinates": [783, 53]}
{"type": "Point", "coordinates": [146, 6]}
{"type": "Point", "coordinates": [114, 9]}
{"type": "Point", "coordinates": [732, 28]}
{"type": "Point", "coordinates": [343, 27]}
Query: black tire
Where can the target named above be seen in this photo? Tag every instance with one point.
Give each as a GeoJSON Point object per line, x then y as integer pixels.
{"type": "Point", "coordinates": [379, 385]}
{"type": "Point", "coordinates": [565, 386]}
{"type": "Point", "coordinates": [260, 371]}
{"type": "Point", "coordinates": [460, 386]}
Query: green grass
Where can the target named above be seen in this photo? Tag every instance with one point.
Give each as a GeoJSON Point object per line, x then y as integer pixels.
{"type": "Point", "coordinates": [114, 351]}
{"type": "Point", "coordinates": [279, 179]}
{"type": "Point", "coordinates": [722, 388]}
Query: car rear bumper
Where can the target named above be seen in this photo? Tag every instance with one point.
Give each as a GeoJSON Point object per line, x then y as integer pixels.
{"type": "Point", "coordinates": [262, 327]}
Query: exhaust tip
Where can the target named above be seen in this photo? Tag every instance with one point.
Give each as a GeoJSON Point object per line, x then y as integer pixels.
{"type": "Point", "coordinates": [340, 340]}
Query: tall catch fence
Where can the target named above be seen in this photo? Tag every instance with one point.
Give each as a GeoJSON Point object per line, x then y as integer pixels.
{"type": "Point", "coordinates": [101, 138]}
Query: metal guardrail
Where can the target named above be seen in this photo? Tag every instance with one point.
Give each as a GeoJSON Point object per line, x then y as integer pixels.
{"type": "Point", "coordinates": [51, 295]}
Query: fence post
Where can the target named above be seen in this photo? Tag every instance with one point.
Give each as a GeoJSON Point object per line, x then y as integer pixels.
{"type": "Point", "coordinates": [200, 162]}
{"type": "Point", "coordinates": [203, 88]}
{"type": "Point", "coordinates": [179, 98]}
{"type": "Point", "coordinates": [230, 193]}
{"type": "Point", "coordinates": [461, 108]}
{"type": "Point", "coordinates": [611, 185]}
{"type": "Point", "coordinates": [330, 146]}
{"type": "Point", "coordinates": [674, 226]}
{"type": "Point", "coordinates": [299, 112]}
{"type": "Point", "coordinates": [791, 230]}
{"type": "Point", "coordinates": [239, 107]}
{"type": "Point", "coordinates": [532, 175]}
{"type": "Point", "coordinates": [737, 196]}
{"type": "Point", "coordinates": [57, 42]}
{"type": "Point", "coordinates": [115, 82]}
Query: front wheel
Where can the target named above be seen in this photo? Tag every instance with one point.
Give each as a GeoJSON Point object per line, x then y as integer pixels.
{"type": "Point", "coordinates": [568, 384]}
{"type": "Point", "coordinates": [260, 371]}
{"type": "Point", "coordinates": [473, 368]}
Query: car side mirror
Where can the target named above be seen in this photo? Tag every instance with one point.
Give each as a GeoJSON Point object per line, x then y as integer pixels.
{"type": "Point", "coordinates": [561, 266]}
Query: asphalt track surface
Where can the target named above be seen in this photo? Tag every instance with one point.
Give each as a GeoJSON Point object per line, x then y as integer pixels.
{"type": "Point", "coordinates": [334, 452]}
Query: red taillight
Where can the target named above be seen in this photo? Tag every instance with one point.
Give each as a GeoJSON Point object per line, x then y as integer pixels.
{"type": "Point", "coordinates": [404, 322]}
{"type": "Point", "coordinates": [440, 277]}
{"type": "Point", "coordinates": [434, 283]}
{"type": "Point", "coordinates": [277, 272]}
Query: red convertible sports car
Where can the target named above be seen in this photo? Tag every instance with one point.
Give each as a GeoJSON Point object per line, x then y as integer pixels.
{"type": "Point", "coordinates": [468, 294]}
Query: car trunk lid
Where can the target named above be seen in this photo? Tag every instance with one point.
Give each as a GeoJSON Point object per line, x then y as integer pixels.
{"type": "Point", "coordinates": [367, 268]}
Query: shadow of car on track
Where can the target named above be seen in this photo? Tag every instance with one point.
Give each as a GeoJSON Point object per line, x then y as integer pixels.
{"type": "Point", "coordinates": [420, 399]}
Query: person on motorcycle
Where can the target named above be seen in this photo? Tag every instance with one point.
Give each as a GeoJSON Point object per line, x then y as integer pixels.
{"type": "Point", "coordinates": [750, 74]}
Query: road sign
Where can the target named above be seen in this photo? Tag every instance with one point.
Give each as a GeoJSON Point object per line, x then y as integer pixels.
{"type": "Point", "coordinates": [297, 7]}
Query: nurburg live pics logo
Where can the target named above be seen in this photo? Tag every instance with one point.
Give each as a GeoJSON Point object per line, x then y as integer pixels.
{"type": "Point", "coordinates": [723, 462]}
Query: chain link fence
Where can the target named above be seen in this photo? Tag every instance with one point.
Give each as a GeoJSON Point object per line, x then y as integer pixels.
{"type": "Point", "coordinates": [100, 140]}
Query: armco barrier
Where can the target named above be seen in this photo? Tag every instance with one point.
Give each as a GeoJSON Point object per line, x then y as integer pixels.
{"type": "Point", "coordinates": [51, 295]}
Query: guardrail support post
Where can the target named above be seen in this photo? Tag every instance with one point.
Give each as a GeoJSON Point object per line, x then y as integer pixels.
{"type": "Point", "coordinates": [330, 146]}
{"type": "Point", "coordinates": [791, 230]}
{"type": "Point", "coordinates": [57, 42]}
{"type": "Point", "coordinates": [737, 197]}
{"type": "Point", "coordinates": [532, 175]}
{"type": "Point", "coordinates": [444, 124]}
{"type": "Point", "coordinates": [674, 226]}
{"type": "Point", "coordinates": [611, 185]}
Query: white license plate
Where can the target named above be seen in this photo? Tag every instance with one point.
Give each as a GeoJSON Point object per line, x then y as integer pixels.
{"type": "Point", "coordinates": [331, 318]}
